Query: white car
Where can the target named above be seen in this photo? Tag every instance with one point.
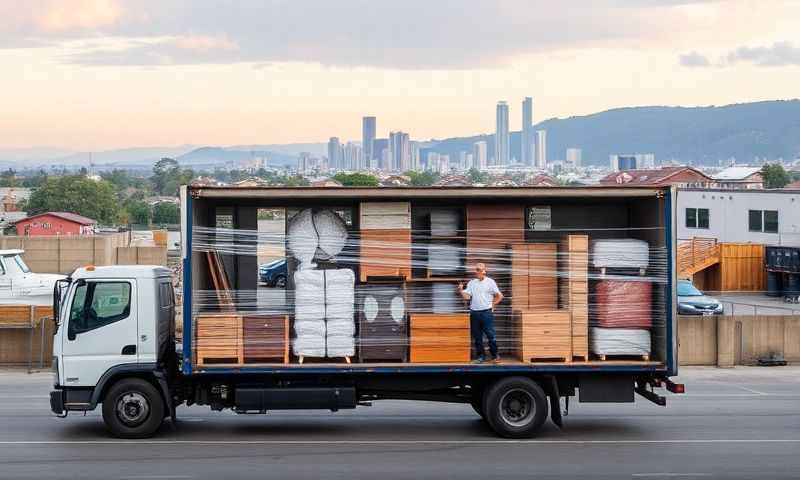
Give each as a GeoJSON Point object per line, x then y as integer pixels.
{"type": "Point", "coordinates": [18, 285]}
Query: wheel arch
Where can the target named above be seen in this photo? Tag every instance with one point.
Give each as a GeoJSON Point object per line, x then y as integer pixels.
{"type": "Point", "coordinates": [145, 371]}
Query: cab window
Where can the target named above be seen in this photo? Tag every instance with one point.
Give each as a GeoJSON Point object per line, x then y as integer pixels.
{"type": "Point", "coordinates": [97, 304]}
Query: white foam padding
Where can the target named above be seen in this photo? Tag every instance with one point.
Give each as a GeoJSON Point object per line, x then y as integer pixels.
{"type": "Point", "coordinates": [620, 253]}
{"type": "Point", "coordinates": [310, 328]}
{"type": "Point", "coordinates": [309, 346]}
{"type": "Point", "coordinates": [331, 231]}
{"type": "Point", "coordinates": [301, 236]}
{"type": "Point", "coordinates": [619, 341]}
{"type": "Point", "coordinates": [340, 346]}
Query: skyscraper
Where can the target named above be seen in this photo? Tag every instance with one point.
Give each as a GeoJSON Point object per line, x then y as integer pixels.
{"type": "Point", "coordinates": [574, 157]}
{"type": "Point", "coordinates": [526, 135]}
{"type": "Point", "coordinates": [401, 151]}
{"type": "Point", "coordinates": [352, 156]}
{"type": "Point", "coordinates": [501, 156]}
{"type": "Point", "coordinates": [334, 153]}
{"type": "Point", "coordinates": [479, 155]}
{"type": "Point", "coordinates": [367, 139]}
{"type": "Point", "coordinates": [541, 149]}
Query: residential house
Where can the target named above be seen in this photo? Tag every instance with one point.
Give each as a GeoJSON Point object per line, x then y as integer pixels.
{"type": "Point", "coordinates": [681, 176]}
{"type": "Point", "coordinates": [55, 223]}
{"type": "Point", "coordinates": [740, 178]}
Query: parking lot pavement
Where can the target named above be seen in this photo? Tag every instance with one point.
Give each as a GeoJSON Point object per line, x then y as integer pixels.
{"type": "Point", "coordinates": [732, 423]}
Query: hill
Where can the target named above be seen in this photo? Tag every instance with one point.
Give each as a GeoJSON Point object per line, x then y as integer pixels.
{"type": "Point", "coordinates": [696, 135]}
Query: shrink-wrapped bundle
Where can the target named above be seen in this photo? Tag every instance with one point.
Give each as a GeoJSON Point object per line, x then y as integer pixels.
{"type": "Point", "coordinates": [340, 346]}
{"type": "Point", "coordinates": [339, 293]}
{"type": "Point", "coordinates": [309, 346]}
{"type": "Point", "coordinates": [306, 328]}
{"type": "Point", "coordinates": [444, 222]}
{"type": "Point", "coordinates": [302, 237]}
{"type": "Point", "coordinates": [444, 259]}
{"type": "Point", "coordinates": [445, 299]}
{"type": "Point", "coordinates": [623, 303]}
{"type": "Point", "coordinates": [332, 232]}
{"type": "Point", "coordinates": [308, 231]}
{"type": "Point", "coordinates": [620, 341]}
{"type": "Point", "coordinates": [620, 253]}
{"type": "Point", "coordinates": [340, 327]}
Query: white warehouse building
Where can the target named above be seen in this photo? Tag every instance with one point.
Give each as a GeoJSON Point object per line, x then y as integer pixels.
{"type": "Point", "coordinates": [770, 217]}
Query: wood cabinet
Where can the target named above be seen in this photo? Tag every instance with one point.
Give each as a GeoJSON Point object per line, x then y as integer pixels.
{"type": "Point", "coordinates": [383, 325]}
{"type": "Point", "coordinates": [574, 289]}
{"type": "Point", "coordinates": [490, 229]}
{"type": "Point", "coordinates": [218, 339]}
{"type": "Point", "coordinates": [534, 276]}
{"type": "Point", "coordinates": [385, 253]}
{"type": "Point", "coordinates": [543, 335]}
{"type": "Point", "coordinates": [265, 337]}
{"type": "Point", "coordinates": [440, 338]}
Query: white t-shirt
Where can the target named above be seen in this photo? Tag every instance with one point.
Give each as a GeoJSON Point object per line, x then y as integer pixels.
{"type": "Point", "coordinates": [481, 293]}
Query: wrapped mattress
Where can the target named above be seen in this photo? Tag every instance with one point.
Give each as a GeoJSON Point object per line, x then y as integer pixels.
{"type": "Point", "coordinates": [622, 304]}
{"type": "Point", "coordinates": [444, 259]}
{"type": "Point", "coordinates": [310, 234]}
{"type": "Point", "coordinates": [619, 341]}
{"type": "Point", "coordinates": [340, 346]}
{"type": "Point", "coordinates": [620, 253]}
{"type": "Point", "coordinates": [309, 346]}
{"type": "Point", "coordinates": [445, 298]}
{"type": "Point", "coordinates": [324, 324]}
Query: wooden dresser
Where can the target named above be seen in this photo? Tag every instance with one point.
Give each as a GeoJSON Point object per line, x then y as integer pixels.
{"type": "Point", "coordinates": [218, 340]}
{"type": "Point", "coordinates": [383, 323]}
{"type": "Point", "coordinates": [385, 239]}
{"type": "Point", "coordinates": [574, 289]}
{"type": "Point", "coordinates": [440, 338]}
{"type": "Point", "coordinates": [542, 335]}
{"type": "Point", "coordinates": [265, 338]}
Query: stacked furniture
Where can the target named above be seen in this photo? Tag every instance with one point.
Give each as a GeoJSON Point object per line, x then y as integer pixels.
{"type": "Point", "coordinates": [490, 230]}
{"type": "Point", "coordinates": [340, 328]}
{"type": "Point", "coordinates": [534, 276]}
{"type": "Point", "coordinates": [233, 339]}
{"type": "Point", "coordinates": [385, 240]}
{"type": "Point", "coordinates": [383, 326]}
{"type": "Point", "coordinates": [440, 338]}
{"type": "Point", "coordinates": [622, 304]}
{"type": "Point", "coordinates": [323, 324]}
{"type": "Point", "coordinates": [542, 334]}
{"type": "Point", "coordinates": [574, 286]}
{"type": "Point", "coordinates": [265, 337]}
{"type": "Point", "coordinates": [309, 313]}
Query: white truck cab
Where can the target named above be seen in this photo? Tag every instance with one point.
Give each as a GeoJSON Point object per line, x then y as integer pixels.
{"type": "Point", "coordinates": [112, 322]}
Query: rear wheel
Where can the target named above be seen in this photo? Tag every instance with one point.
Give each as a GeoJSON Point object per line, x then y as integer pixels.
{"type": "Point", "coordinates": [133, 408]}
{"type": "Point", "coordinates": [280, 282]}
{"type": "Point", "coordinates": [515, 407]}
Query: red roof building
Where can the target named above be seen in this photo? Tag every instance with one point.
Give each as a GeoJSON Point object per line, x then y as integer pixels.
{"type": "Point", "coordinates": [680, 176]}
{"type": "Point", "coordinates": [55, 223]}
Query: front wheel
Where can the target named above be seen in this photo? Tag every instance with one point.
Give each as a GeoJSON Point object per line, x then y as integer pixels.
{"type": "Point", "coordinates": [133, 408]}
{"type": "Point", "coordinates": [515, 407]}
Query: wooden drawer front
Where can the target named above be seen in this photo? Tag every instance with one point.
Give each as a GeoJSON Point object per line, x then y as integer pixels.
{"type": "Point", "coordinates": [552, 317]}
{"type": "Point", "coordinates": [264, 326]}
{"type": "Point", "coordinates": [385, 253]}
{"type": "Point", "coordinates": [440, 320]}
{"type": "Point", "coordinates": [384, 208]}
{"type": "Point", "coordinates": [577, 243]}
{"type": "Point", "coordinates": [547, 332]}
{"type": "Point", "coordinates": [382, 330]}
{"type": "Point", "coordinates": [439, 337]}
{"type": "Point", "coordinates": [440, 355]}
{"type": "Point", "coordinates": [383, 352]}
{"type": "Point", "coordinates": [579, 287]}
{"type": "Point", "coordinates": [545, 345]}
{"type": "Point", "coordinates": [578, 299]}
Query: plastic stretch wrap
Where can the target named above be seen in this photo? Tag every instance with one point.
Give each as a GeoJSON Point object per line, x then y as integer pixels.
{"type": "Point", "coordinates": [620, 253]}
{"type": "Point", "coordinates": [620, 341]}
{"type": "Point", "coordinates": [356, 279]}
{"type": "Point", "coordinates": [623, 303]}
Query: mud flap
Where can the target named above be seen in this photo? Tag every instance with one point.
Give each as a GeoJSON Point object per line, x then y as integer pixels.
{"type": "Point", "coordinates": [555, 403]}
{"type": "Point", "coordinates": [162, 382]}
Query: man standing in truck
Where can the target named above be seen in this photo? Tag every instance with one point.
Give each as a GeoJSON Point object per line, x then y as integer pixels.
{"type": "Point", "coordinates": [482, 294]}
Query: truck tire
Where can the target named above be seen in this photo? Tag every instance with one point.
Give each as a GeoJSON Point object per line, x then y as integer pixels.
{"type": "Point", "coordinates": [133, 408]}
{"type": "Point", "coordinates": [515, 407]}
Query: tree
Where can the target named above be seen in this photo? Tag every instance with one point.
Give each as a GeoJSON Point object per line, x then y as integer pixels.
{"type": "Point", "coordinates": [356, 180]}
{"type": "Point", "coordinates": [9, 178]}
{"type": "Point", "coordinates": [166, 213]}
{"type": "Point", "coordinates": [168, 176]}
{"type": "Point", "coordinates": [139, 212]}
{"type": "Point", "coordinates": [476, 176]}
{"type": "Point", "coordinates": [774, 176]}
{"type": "Point", "coordinates": [423, 179]}
{"type": "Point", "coordinates": [76, 194]}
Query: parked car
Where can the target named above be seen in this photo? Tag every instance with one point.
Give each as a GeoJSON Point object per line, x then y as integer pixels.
{"type": "Point", "coordinates": [692, 301]}
{"type": "Point", "coordinates": [273, 273]}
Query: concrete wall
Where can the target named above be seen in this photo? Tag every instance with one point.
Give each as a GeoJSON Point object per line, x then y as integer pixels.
{"type": "Point", "coordinates": [728, 215]}
{"type": "Point", "coordinates": [142, 256]}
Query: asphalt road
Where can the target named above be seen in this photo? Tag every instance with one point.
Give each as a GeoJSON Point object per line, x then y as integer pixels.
{"type": "Point", "coordinates": [738, 423]}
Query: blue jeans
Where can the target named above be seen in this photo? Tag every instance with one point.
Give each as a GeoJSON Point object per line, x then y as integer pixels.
{"type": "Point", "coordinates": [482, 323]}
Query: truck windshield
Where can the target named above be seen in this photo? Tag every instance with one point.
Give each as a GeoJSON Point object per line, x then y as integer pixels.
{"type": "Point", "coordinates": [22, 265]}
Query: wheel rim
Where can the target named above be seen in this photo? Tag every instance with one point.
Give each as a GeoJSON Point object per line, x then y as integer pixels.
{"type": "Point", "coordinates": [517, 407]}
{"type": "Point", "coordinates": [132, 408]}
{"type": "Point", "coordinates": [280, 283]}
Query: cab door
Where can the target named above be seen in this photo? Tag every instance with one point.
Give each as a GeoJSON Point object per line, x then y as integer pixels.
{"type": "Point", "coordinates": [101, 330]}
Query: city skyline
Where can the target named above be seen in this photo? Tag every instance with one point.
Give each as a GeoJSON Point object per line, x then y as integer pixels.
{"type": "Point", "coordinates": [91, 75]}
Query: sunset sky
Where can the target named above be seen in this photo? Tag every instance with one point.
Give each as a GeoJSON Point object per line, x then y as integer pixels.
{"type": "Point", "coordinates": [100, 74]}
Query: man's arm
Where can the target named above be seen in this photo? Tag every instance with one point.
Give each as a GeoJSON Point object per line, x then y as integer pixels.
{"type": "Point", "coordinates": [498, 297]}
{"type": "Point", "coordinates": [464, 293]}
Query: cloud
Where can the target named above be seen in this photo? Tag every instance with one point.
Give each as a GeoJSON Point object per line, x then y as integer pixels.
{"type": "Point", "coordinates": [778, 55]}
{"type": "Point", "coordinates": [412, 34]}
{"type": "Point", "coordinates": [694, 59]}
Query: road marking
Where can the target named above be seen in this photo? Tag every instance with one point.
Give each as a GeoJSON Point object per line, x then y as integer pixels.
{"type": "Point", "coordinates": [749, 390]}
{"type": "Point", "coordinates": [393, 442]}
{"type": "Point", "coordinates": [671, 475]}
{"type": "Point", "coordinates": [142, 477]}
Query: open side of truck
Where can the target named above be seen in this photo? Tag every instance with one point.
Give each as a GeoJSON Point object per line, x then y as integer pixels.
{"type": "Point", "coordinates": [115, 343]}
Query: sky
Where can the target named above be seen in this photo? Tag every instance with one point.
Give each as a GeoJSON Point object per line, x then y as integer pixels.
{"type": "Point", "coordinates": [102, 74]}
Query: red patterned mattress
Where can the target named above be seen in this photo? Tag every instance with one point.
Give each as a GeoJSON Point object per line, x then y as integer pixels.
{"type": "Point", "coordinates": [622, 304]}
